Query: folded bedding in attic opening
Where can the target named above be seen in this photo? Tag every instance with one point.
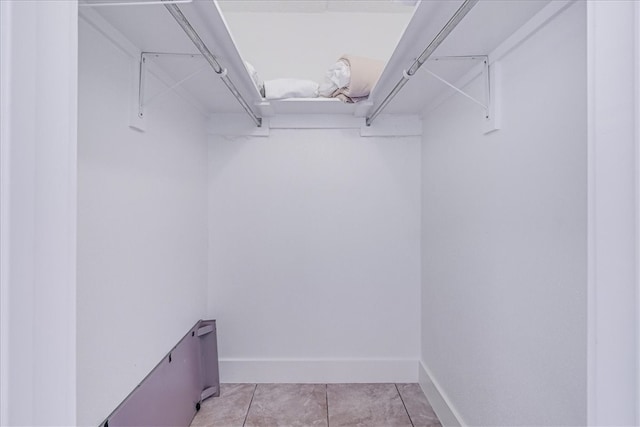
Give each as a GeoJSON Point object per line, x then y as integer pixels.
{"type": "Point", "coordinates": [290, 88]}
{"type": "Point", "coordinates": [351, 79]}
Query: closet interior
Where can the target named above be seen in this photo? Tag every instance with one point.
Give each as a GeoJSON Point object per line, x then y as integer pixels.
{"type": "Point", "coordinates": [383, 240]}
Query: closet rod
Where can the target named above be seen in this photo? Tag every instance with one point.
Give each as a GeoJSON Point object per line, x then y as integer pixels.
{"type": "Point", "coordinates": [406, 74]}
{"type": "Point", "coordinates": [175, 11]}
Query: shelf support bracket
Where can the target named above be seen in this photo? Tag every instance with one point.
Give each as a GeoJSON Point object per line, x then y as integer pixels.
{"type": "Point", "coordinates": [493, 94]}
{"type": "Point", "coordinates": [141, 84]}
{"type": "Point", "coordinates": [485, 77]}
{"type": "Point", "coordinates": [136, 116]}
{"type": "Point", "coordinates": [483, 104]}
{"type": "Point", "coordinates": [490, 88]}
{"type": "Point", "coordinates": [145, 58]}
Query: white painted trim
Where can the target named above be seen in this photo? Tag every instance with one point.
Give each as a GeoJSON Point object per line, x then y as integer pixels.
{"type": "Point", "coordinates": [637, 116]}
{"type": "Point", "coordinates": [612, 235]}
{"type": "Point", "coordinates": [235, 124]}
{"type": "Point", "coordinates": [70, 214]}
{"type": "Point", "coordinates": [304, 106]}
{"type": "Point", "coordinates": [5, 236]}
{"type": "Point", "coordinates": [318, 370]}
{"type": "Point", "coordinates": [591, 289]}
{"type": "Point", "coordinates": [538, 21]}
{"type": "Point", "coordinates": [38, 192]}
{"type": "Point", "coordinates": [440, 402]}
{"type": "Point", "coordinates": [55, 195]}
{"type": "Point", "coordinates": [315, 121]}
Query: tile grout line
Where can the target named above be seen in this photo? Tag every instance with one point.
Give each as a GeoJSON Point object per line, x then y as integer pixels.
{"type": "Point", "coordinates": [326, 396]}
{"type": "Point", "coordinates": [249, 407]}
{"type": "Point", "coordinates": [403, 404]}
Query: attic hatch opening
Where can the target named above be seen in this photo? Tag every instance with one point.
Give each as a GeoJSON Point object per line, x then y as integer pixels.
{"type": "Point", "coordinates": [301, 40]}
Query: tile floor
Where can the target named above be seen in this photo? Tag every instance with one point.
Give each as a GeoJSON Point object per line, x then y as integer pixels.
{"type": "Point", "coordinates": [329, 405]}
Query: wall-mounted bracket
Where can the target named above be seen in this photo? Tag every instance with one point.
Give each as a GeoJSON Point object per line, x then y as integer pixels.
{"type": "Point", "coordinates": [145, 58]}
{"type": "Point", "coordinates": [490, 77]}
{"type": "Point", "coordinates": [140, 99]}
{"type": "Point", "coordinates": [493, 89]}
{"type": "Point", "coordinates": [490, 91]}
{"type": "Point", "coordinates": [483, 103]}
{"type": "Point", "coordinates": [141, 84]}
{"type": "Point", "coordinates": [136, 116]}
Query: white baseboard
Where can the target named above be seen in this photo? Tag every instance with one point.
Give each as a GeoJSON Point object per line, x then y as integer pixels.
{"type": "Point", "coordinates": [441, 404]}
{"type": "Point", "coordinates": [318, 371]}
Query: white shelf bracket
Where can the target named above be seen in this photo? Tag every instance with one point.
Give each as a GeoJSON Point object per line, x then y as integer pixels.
{"type": "Point", "coordinates": [140, 89]}
{"type": "Point", "coordinates": [141, 84]}
{"type": "Point", "coordinates": [493, 94]}
{"type": "Point", "coordinates": [491, 89]}
{"type": "Point", "coordinates": [136, 116]}
{"type": "Point", "coordinates": [483, 103]}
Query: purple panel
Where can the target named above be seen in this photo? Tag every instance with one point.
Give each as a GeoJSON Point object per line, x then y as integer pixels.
{"type": "Point", "coordinates": [169, 394]}
{"type": "Point", "coordinates": [209, 358]}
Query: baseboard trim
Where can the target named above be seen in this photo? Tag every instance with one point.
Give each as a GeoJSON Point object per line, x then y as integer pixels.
{"type": "Point", "coordinates": [318, 371]}
{"type": "Point", "coordinates": [440, 402]}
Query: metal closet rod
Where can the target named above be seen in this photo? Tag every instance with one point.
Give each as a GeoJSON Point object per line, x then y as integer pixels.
{"type": "Point", "coordinates": [175, 11]}
{"type": "Point", "coordinates": [406, 74]}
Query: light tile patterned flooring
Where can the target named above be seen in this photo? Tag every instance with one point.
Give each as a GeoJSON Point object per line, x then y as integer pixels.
{"type": "Point", "coordinates": [328, 405]}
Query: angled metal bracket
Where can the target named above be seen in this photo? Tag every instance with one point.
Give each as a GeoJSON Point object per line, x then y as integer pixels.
{"type": "Point", "coordinates": [485, 76]}
{"type": "Point", "coordinates": [490, 98]}
{"type": "Point", "coordinates": [141, 84]}
{"type": "Point", "coordinates": [136, 115]}
{"type": "Point", "coordinates": [145, 57]}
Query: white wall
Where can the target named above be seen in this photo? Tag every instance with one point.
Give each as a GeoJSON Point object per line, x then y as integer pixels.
{"type": "Point", "coordinates": [38, 108]}
{"type": "Point", "coordinates": [314, 262]}
{"type": "Point", "coordinates": [325, 37]}
{"type": "Point", "coordinates": [142, 228]}
{"type": "Point", "coordinates": [504, 257]}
